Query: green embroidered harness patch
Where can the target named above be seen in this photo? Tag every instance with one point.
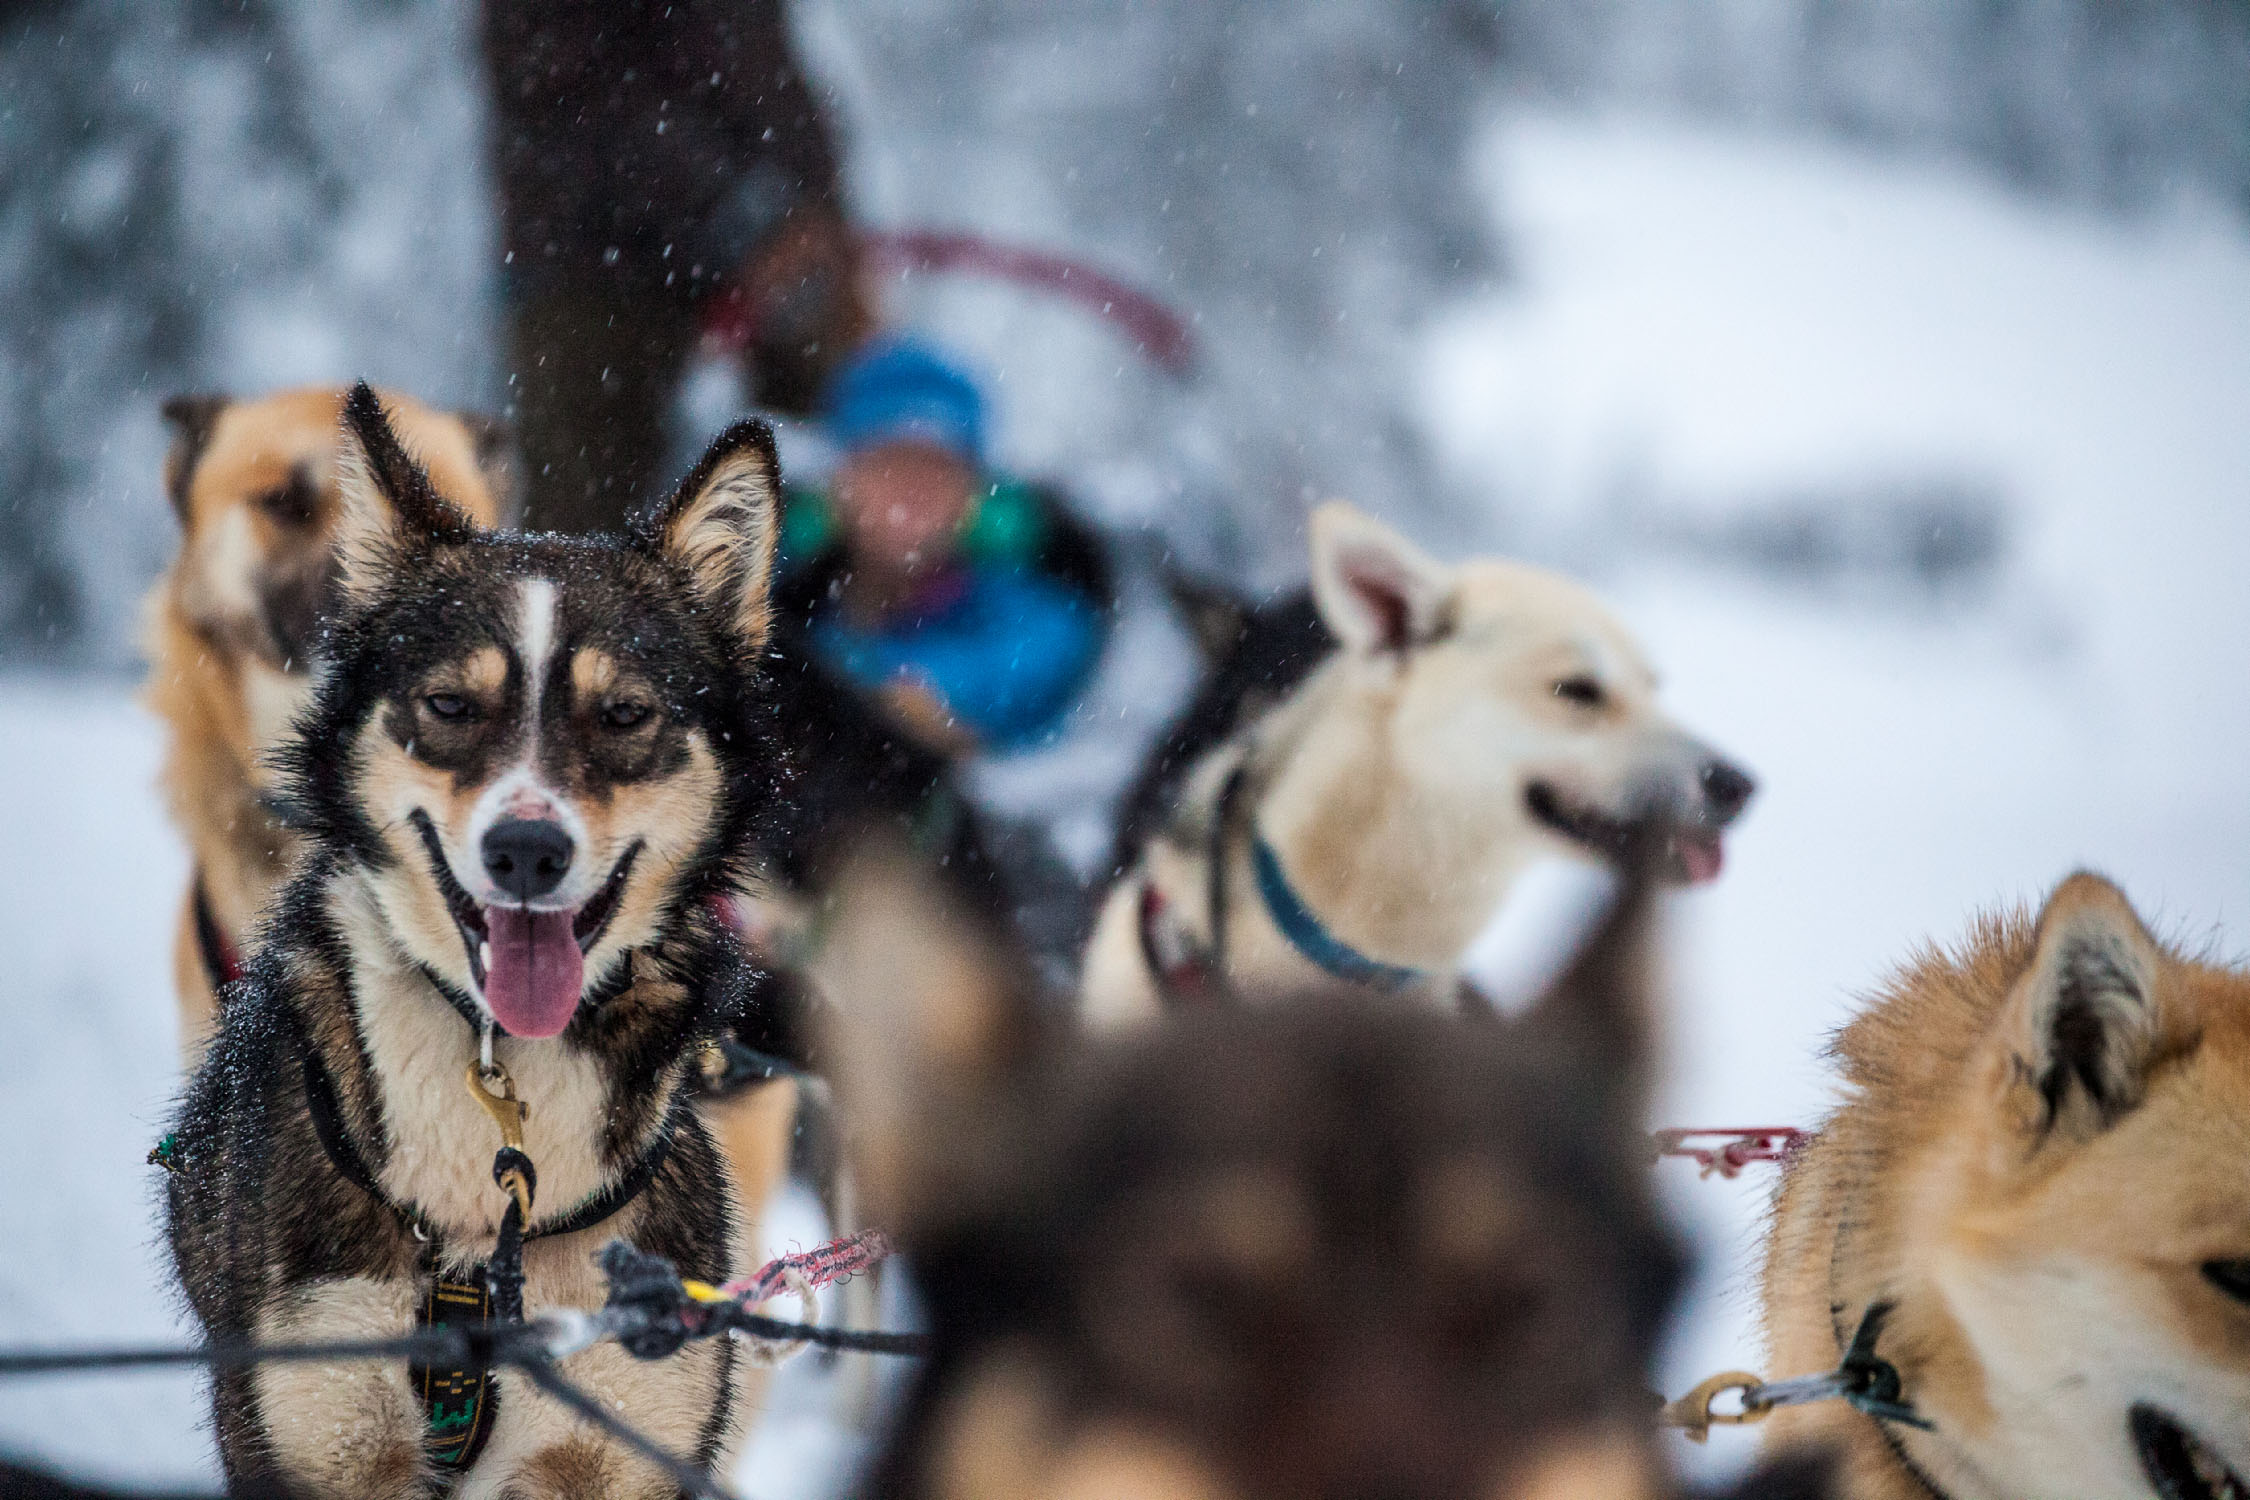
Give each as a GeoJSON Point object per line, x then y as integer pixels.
{"type": "Point", "coordinates": [461, 1404]}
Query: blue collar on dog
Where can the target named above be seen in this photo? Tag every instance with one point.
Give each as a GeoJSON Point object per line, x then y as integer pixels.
{"type": "Point", "coordinates": [1308, 936]}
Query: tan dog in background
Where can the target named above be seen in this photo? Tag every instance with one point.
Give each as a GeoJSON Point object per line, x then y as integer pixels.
{"type": "Point", "coordinates": [230, 624]}
{"type": "Point", "coordinates": [2043, 1167]}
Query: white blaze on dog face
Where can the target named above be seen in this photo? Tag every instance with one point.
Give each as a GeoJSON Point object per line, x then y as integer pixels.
{"type": "Point", "coordinates": [535, 641]}
{"type": "Point", "coordinates": [2087, 1222]}
{"type": "Point", "coordinates": [543, 793]}
{"type": "Point", "coordinates": [521, 792]}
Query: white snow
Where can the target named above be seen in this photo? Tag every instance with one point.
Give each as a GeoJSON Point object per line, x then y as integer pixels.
{"type": "Point", "coordinates": [1702, 322]}
{"type": "Point", "coordinates": [90, 882]}
{"type": "Point", "coordinates": [1704, 318]}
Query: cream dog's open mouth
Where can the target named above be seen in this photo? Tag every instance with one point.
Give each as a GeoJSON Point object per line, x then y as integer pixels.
{"type": "Point", "coordinates": [1696, 855]}
{"type": "Point", "coordinates": [2180, 1465]}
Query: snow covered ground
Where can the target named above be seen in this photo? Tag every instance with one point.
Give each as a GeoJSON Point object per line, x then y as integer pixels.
{"type": "Point", "coordinates": [1702, 324]}
{"type": "Point", "coordinates": [1706, 320]}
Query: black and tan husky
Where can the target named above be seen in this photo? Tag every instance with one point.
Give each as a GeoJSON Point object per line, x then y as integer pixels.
{"type": "Point", "coordinates": [530, 770]}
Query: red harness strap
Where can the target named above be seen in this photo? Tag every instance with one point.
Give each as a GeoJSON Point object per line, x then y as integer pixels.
{"type": "Point", "coordinates": [838, 1260]}
{"type": "Point", "coordinates": [1154, 328]}
{"type": "Point", "coordinates": [1183, 972]}
{"type": "Point", "coordinates": [1727, 1152]}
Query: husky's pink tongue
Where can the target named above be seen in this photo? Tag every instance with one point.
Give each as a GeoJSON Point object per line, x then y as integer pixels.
{"type": "Point", "coordinates": [1701, 857]}
{"type": "Point", "coordinates": [535, 972]}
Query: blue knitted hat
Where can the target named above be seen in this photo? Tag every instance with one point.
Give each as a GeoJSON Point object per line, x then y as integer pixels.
{"type": "Point", "coordinates": [899, 388]}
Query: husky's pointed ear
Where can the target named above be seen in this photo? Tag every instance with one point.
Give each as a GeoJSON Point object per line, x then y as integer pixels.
{"type": "Point", "coordinates": [192, 417]}
{"type": "Point", "coordinates": [1375, 589]}
{"type": "Point", "coordinates": [2088, 1020]}
{"type": "Point", "coordinates": [721, 525]}
{"type": "Point", "coordinates": [390, 512]}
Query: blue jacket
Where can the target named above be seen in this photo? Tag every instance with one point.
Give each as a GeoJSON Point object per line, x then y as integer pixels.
{"type": "Point", "coordinates": [1006, 641]}
{"type": "Point", "coordinates": [1006, 655]}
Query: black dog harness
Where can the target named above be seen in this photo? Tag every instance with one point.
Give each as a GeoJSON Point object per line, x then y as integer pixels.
{"type": "Point", "coordinates": [1188, 973]}
{"type": "Point", "coordinates": [461, 1403]}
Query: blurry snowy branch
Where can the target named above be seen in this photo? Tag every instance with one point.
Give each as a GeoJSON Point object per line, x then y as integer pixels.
{"type": "Point", "coordinates": [231, 194]}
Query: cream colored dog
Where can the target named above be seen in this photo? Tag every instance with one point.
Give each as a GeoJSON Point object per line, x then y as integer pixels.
{"type": "Point", "coordinates": [2043, 1168]}
{"type": "Point", "coordinates": [1470, 719]}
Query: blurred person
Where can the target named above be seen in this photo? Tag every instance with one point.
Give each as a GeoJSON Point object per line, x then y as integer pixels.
{"type": "Point", "coordinates": [652, 157]}
{"type": "Point", "coordinates": [972, 604]}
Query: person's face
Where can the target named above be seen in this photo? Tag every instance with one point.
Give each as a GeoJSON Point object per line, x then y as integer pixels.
{"type": "Point", "coordinates": [901, 502]}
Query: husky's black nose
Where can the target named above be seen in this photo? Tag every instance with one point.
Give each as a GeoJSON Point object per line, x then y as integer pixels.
{"type": "Point", "coordinates": [526, 857]}
{"type": "Point", "coordinates": [1727, 789]}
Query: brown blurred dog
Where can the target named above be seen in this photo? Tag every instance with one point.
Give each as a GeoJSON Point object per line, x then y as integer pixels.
{"type": "Point", "coordinates": [231, 622]}
{"type": "Point", "coordinates": [2043, 1166]}
{"type": "Point", "coordinates": [1318, 1251]}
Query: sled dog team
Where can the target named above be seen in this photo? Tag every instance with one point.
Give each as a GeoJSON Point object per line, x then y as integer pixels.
{"type": "Point", "coordinates": [1276, 1206]}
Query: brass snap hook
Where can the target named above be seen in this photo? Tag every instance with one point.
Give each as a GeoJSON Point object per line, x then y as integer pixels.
{"type": "Point", "coordinates": [1697, 1412]}
{"type": "Point", "coordinates": [506, 1109]}
{"type": "Point", "coordinates": [508, 1113]}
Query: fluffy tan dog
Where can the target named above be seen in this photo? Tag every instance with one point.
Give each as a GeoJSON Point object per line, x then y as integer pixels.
{"type": "Point", "coordinates": [2043, 1168]}
{"type": "Point", "coordinates": [231, 622]}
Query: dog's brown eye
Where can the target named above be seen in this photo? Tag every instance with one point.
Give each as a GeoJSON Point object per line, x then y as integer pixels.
{"type": "Point", "coordinates": [625, 715]}
{"type": "Point", "coordinates": [448, 706]}
{"type": "Point", "coordinates": [291, 504]}
{"type": "Point", "coordinates": [2229, 1276]}
{"type": "Point", "coordinates": [1581, 690]}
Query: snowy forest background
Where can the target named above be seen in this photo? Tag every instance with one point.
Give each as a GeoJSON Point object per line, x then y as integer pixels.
{"type": "Point", "coordinates": [237, 194]}
{"type": "Point", "coordinates": [1886, 361]}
